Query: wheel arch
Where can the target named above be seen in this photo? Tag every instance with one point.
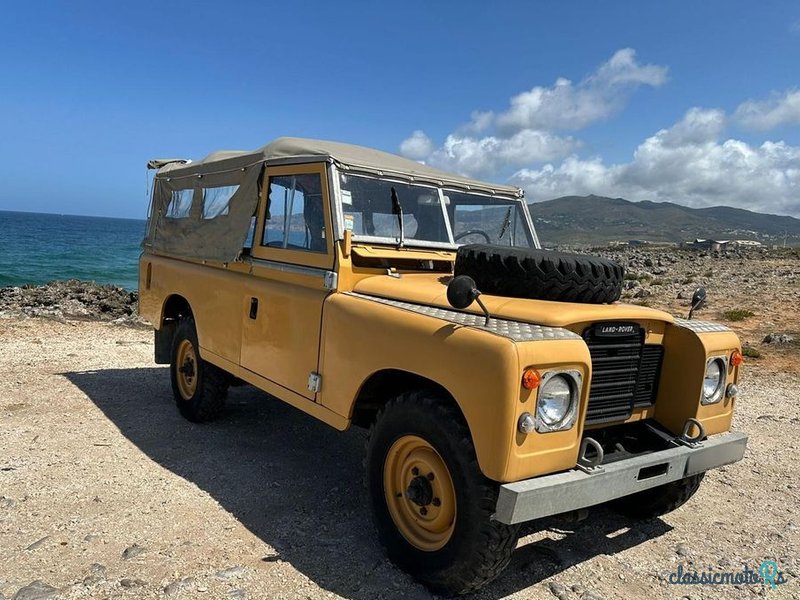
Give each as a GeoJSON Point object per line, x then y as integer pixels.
{"type": "Point", "coordinates": [175, 306]}
{"type": "Point", "coordinates": [385, 384]}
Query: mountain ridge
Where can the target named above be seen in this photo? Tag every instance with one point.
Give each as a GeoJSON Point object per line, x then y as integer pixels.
{"type": "Point", "coordinates": [599, 219]}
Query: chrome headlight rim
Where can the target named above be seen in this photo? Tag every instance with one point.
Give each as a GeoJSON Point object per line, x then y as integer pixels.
{"type": "Point", "coordinates": [574, 379]}
{"type": "Point", "coordinates": [719, 390]}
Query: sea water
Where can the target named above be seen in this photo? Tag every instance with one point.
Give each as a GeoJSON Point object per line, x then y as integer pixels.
{"type": "Point", "coordinates": [36, 248]}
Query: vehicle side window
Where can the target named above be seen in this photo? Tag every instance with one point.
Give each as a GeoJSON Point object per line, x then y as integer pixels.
{"type": "Point", "coordinates": [295, 216]}
{"type": "Point", "coordinates": [180, 205]}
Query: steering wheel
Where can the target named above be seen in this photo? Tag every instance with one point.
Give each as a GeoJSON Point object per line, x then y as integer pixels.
{"type": "Point", "coordinates": [475, 231]}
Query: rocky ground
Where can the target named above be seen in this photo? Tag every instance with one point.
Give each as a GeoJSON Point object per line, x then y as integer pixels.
{"type": "Point", "coordinates": [71, 299]}
{"type": "Point", "coordinates": [105, 492]}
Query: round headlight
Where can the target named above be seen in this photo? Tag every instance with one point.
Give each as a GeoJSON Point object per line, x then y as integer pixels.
{"type": "Point", "coordinates": [713, 380]}
{"type": "Point", "coordinates": [555, 400]}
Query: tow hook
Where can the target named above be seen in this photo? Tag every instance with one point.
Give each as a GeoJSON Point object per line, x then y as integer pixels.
{"type": "Point", "coordinates": [686, 438]}
{"type": "Point", "coordinates": [590, 464]}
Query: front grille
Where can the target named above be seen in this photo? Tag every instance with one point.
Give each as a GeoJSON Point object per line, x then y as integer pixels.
{"type": "Point", "coordinates": [625, 371]}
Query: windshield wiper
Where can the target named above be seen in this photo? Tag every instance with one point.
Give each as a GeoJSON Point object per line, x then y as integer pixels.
{"type": "Point", "coordinates": [398, 210]}
{"type": "Point", "coordinates": [506, 226]}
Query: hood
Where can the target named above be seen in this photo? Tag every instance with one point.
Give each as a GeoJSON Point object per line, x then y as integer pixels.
{"type": "Point", "coordinates": [431, 290]}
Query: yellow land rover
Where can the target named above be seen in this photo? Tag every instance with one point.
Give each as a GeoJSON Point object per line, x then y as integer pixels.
{"type": "Point", "coordinates": [500, 382]}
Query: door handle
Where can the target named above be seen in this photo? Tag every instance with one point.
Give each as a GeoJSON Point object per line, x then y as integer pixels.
{"type": "Point", "coordinates": [253, 308]}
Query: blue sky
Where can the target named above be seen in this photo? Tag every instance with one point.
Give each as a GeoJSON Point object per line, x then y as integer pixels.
{"type": "Point", "coordinates": [693, 102]}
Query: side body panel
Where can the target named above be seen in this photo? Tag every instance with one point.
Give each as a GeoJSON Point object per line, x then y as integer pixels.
{"type": "Point", "coordinates": [215, 295]}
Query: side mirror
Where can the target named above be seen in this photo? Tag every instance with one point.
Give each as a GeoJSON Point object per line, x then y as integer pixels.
{"type": "Point", "coordinates": [462, 291]}
{"type": "Point", "coordinates": [698, 299]}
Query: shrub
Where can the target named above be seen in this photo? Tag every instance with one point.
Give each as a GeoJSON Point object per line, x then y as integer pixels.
{"type": "Point", "coordinates": [751, 352]}
{"type": "Point", "coordinates": [737, 314]}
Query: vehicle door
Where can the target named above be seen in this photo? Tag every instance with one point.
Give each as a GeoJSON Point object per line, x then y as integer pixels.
{"type": "Point", "coordinates": [292, 273]}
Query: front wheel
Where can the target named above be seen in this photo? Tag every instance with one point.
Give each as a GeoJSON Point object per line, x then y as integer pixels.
{"type": "Point", "coordinates": [431, 504]}
{"type": "Point", "coordinates": [199, 387]}
{"type": "Point", "coordinates": [659, 500]}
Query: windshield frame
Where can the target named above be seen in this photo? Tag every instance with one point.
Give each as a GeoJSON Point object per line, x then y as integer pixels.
{"type": "Point", "coordinates": [441, 190]}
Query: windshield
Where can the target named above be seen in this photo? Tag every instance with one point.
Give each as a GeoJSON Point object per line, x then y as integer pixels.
{"type": "Point", "coordinates": [468, 218]}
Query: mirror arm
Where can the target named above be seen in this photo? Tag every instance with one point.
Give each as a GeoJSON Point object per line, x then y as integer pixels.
{"type": "Point", "coordinates": [483, 308]}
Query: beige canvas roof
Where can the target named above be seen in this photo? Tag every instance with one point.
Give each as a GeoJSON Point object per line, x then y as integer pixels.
{"type": "Point", "coordinates": [346, 156]}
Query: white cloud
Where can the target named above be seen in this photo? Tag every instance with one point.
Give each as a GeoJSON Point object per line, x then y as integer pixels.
{"type": "Point", "coordinates": [780, 109]}
{"type": "Point", "coordinates": [523, 134]}
{"type": "Point", "coordinates": [569, 106]}
{"type": "Point", "coordinates": [485, 156]}
{"type": "Point", "coordinates": [677, 165]}
{"type": "Point", "coordinates": [417, 146]}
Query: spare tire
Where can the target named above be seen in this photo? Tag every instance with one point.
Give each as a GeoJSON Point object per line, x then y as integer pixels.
{"type": "Point", "coordinates": [540, 274]}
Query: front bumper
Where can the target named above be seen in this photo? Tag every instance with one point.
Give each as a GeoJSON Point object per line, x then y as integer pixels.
{"type": "Point", "coordinates": [571, 490]}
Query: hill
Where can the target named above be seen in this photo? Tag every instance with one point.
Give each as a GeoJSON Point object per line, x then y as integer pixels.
{"type": "Point", "coordinates": [596, 220]}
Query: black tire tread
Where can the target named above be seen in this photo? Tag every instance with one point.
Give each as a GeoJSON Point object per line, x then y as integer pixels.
{"type": "Point", "coordinates": [212, 385]}
{"type": "Point", "coordinates": [540, 274]}
{"type": "Point", "coordinates": [492, 549]}
{"type": "Point", "coordinates": [660, 500]}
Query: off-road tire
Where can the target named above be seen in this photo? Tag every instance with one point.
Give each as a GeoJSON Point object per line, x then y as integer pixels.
{"type": "Point", "coordinates": [208, 400]}
{"type": "Point", "coordinates": [540, 274]}
{"type": "Point", "coordinates": [479, 548]}
{"type": "Point", "coordinates": [659, 500]}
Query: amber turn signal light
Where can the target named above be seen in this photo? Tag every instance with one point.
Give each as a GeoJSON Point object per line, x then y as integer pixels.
{"type": "Point", "coordinates": [531, 379]}
{"type": "Point", "coordinates": [736, 358]}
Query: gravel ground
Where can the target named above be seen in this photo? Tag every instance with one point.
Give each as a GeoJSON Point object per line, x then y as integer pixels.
{"type": "Point", "coordinates": [105, 492]}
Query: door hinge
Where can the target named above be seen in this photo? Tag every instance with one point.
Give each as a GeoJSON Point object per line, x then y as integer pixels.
{"type": "Point", "coordinates": [330, 280]}
{"type": "Point", "coordinates": [314, 382]}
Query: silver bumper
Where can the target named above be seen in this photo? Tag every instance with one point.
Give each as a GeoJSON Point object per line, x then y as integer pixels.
{"type": "Point", "coordinates": [562, 492]}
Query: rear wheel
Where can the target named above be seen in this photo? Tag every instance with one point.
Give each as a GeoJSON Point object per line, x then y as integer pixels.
{"type": "Point", "coordinates": [659, 500]}
{"type": "Point", "coordinates": [431, 503]}
{"type": "Point", "coordinates": [199, 387]}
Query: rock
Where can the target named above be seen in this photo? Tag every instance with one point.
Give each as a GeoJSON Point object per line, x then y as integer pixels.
{"type": "Point", "coordinates": [132, 583]}
{"type": "Point", "coordinates": [237, 594]}
{"type": "Point", "coordinates": [642, 293]}
{"type": "Point", "coordinates": [97, 573]}
{"type": "Point", "coordinates": [176, 586]}
{"type": "Point", "coordinates": [682, 550]}
{"type": "Point", "coordinates": [35, 590]}
{"type": "Point", "coordinates": [558, 590]}
{"type": "Point", "coordinates": [578, 589]}
{"type": "Point", "coordinates": [778, 338]}
{"type": "Point", "coordinates": [6, 502]}
{"type": "Point", "coordinates": [71, 299]}
{"type": "Point", "coordinates": [591, 596]}
{"type": "Point", "coordinates": [231, 572]}
{"type": "Point", "coordinates": [132, 552]}
{"type": "Point", "coordinates": [38, 543]}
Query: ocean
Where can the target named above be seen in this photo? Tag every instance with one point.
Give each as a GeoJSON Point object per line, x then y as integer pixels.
{"type": "Point", "coordinates": [37, 248]}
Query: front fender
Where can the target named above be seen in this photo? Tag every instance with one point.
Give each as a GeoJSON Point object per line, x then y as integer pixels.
{"type": "Point", "coordinates": [479, 369]}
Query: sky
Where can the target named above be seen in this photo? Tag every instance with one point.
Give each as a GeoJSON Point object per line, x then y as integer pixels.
{"type": "Point", "coordinates": [691, 102]}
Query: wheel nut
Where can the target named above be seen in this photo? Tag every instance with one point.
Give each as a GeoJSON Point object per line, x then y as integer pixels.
{"type": "Point", "coordinates": [437, 502]}
{"type": "Point", "coordinates": [423, 511]}
{"type": "Point", "coordinates": [430, 476]}
{"type": "Point", "coordinates": [415, 471]}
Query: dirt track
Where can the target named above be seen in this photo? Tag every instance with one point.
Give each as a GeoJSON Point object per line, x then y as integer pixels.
{"type": "Point", "coordinates": [97, 468]}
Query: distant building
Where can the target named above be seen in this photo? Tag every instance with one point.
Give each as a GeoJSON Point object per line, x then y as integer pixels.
{"type": "Point", "coordinates": [721, 245]}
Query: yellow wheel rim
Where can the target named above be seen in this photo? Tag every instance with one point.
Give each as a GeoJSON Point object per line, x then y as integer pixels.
{"type": "Point", "coordinates": [186, 372]}
{"type": "Point", "coordinates": [419, 493]}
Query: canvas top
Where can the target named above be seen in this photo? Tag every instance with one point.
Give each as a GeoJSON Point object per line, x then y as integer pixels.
{"type": "Point", "coordinates": [347, 157]}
